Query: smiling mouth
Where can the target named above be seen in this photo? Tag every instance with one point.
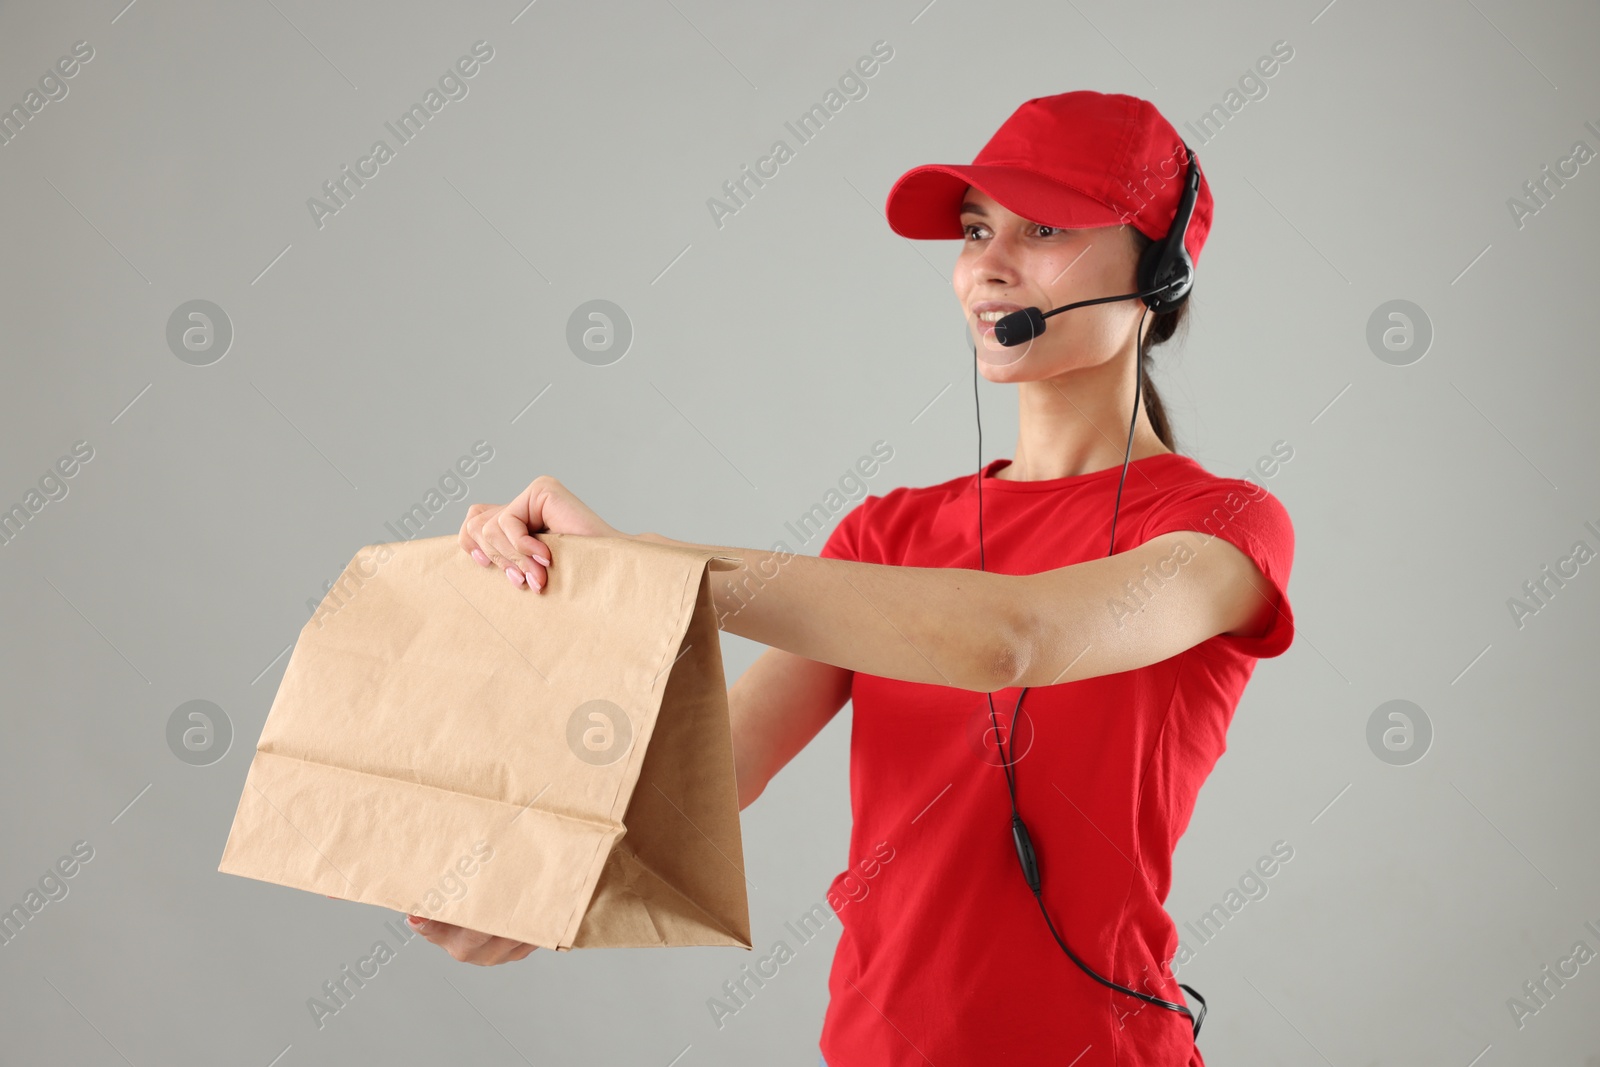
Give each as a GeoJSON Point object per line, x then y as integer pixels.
{"type": "Point", "coordinates": [987, 319]}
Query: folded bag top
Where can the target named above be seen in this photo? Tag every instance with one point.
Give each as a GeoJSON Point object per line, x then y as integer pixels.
{"type": "Point", "coordinates": [554, 767]}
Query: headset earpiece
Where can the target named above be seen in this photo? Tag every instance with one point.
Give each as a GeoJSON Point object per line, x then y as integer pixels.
{"type": "Point", "coordinates": [1166, 265]}
{"type": "Point", "coordinates": [1179, 273]}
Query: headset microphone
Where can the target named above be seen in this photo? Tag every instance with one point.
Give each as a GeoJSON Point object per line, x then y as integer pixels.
{"type": "Point", "coordinates": [1020, 327]}
{"type": "Point", "coordinates": [1165, 277]}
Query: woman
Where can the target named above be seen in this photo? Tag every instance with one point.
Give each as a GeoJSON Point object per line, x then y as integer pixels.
{"type": "Point", "coordinates": [1122, 587]}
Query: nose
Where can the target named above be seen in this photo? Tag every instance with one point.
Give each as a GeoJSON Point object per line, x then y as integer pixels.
{"type": "Point", "coordinates": [995, 263]}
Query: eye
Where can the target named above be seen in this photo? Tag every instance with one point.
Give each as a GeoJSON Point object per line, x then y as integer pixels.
{"type": "Point", "coordinates": [1044, 231]}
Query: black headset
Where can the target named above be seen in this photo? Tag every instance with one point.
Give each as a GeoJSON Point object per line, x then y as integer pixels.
{"type": "Point", "coordinates": [1165, 278]}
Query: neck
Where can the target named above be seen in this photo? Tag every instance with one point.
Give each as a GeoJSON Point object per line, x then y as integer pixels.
{"type": "Point", "coordinates": [1077, 422]}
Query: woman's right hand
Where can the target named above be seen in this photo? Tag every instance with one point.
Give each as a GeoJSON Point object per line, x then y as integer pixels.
{"type": "Point", "coordinates": [467, 946]}
{"type": "Point", "coordinates": [470, 946]}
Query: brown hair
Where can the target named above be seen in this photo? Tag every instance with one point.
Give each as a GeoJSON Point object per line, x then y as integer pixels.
{"type": "Point", "coordinates": [1162, 328]}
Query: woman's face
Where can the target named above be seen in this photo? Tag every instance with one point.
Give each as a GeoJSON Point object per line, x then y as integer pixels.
{"type": "Point", "coordinates": [1009, 261]}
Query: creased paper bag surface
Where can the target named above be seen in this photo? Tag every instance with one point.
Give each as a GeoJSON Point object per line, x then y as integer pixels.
{"type": "Point", "coordinates": [554, 767]}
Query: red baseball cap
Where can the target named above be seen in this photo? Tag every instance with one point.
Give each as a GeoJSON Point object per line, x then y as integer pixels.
{"type": "Point", "coordinates": [1076, 160]}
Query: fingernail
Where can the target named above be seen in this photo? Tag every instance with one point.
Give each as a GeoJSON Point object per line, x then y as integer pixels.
{"type": "Point", "coordinates": [478, 555]}
{"type": "Point", "coordinates": [414, 921]}
{"type": "Point", "coordinates": [542, 561]}
{"type": "Point", "coordinates": [532, 580]}
{"type": "Point", "coordinates": [515, 575]}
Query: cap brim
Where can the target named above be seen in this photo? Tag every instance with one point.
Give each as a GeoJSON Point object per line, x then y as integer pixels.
{"type": "Point", "coordinates": [925, 203]}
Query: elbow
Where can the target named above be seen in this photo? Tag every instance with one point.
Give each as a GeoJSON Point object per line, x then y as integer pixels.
{"type": "Point", "coordinates": [1006, 660]}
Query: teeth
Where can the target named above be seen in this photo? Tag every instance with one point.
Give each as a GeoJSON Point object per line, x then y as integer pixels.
{"type": "Point", "coordinates": [992, 316]}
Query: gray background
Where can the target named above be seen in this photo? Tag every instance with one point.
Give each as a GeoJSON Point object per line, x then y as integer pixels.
{"type": "Point", "coordinates": [768, 354]}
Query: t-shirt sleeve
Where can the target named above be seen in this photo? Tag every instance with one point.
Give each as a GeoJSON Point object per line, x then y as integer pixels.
{"type": "Point", "coordinates": [845, 542]}
{"type": "Point", "coordinates": [1249, 517]}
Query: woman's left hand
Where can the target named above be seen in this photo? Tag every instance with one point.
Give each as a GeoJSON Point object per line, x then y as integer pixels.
{"type": "Point", "coordinates": [503, 535]}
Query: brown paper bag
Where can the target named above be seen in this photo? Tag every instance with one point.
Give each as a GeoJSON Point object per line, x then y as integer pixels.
{"type": "Point", "coordinates": [554, 767]}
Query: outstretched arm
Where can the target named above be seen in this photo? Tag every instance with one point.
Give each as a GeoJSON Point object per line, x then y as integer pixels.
{"type": "Point", "coordinates": [983, 631]}
{"type": "Point", "coordinates": [939, 625]}
{"type": "Point", "coordinates": [973, 630]}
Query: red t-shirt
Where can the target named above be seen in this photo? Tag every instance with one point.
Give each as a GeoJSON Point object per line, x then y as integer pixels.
{"type": "Point", "coordinates": [944, 956]}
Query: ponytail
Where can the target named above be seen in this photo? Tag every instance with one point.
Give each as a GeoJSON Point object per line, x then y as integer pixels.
{"type": "Point", "coordinates": [1161, 329]}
